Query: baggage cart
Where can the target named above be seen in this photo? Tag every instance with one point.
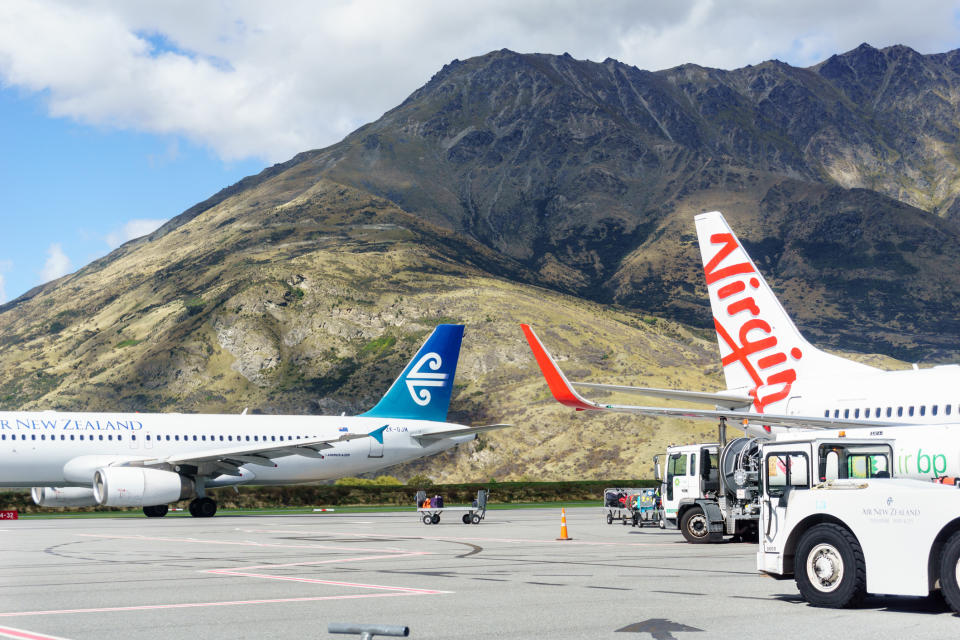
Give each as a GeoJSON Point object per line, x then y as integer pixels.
{"type": "Point", "coordinates": [633, 506]}
{"type": "Point", "coordinates": [471, 515]}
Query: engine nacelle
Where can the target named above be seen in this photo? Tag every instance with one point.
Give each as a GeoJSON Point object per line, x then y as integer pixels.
{"type": "Point", "coordinates": [63, 497]}
{"type": "Point", "coordinates": [139, 487]}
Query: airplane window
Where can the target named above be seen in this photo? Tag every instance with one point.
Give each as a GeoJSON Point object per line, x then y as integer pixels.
{"type": "Point", "coordinates": [946, 409]}
{"type": "Point", "coordinates": [71, 436]}
{"type": "Point", "coordinates": [101, 436]}
{"type": "Point", "coordinates": [3, 436]}
{"type": "Point", "coordinates": [255, 438]}
{"type": "Point", "coordinates": [856, 413]}
{"type": "Point", "coordinates": [281, 438]}
{"type": "Point", "coordinates": [230, 438]}
{"type": "Point", "coordinates": [889, 411]}
{"type": "Point", "coordinates": [933, 410]}
{"type": "Point", "coordinates": [923, 409]}
{"type": "Point", "coordinates": [846, 413]}
{"type": "Point", "coordinates": [33, 436]}
{"type": "Point", "coordinates": [110, 437]}
{"type": "Point", "coordinates": [221, 438]}
{"type": "Point", "coordinates": [248, 438]}
{"type": "Point", "coordinates": [910, 411]}
{"type": "Point", "coordinates": [177, 438]}
{"type": "Point", "coordinates": [273, 438]}
{"type": "Point", "coordinates": [43, 437]}
{"type": "Point", "coordinates": [866, 412]}
{"type": "Point", "coordinates": [194, 438]}
{"type": "Point", "coordinates": [168, 438]}
{"type": "Point", "coordinates": [899, 412]}
{"type": "Point", "coordinates": [133, 437]}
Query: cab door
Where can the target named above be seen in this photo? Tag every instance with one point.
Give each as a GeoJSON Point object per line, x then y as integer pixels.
{"type": "Point", "coordinates": [676, 483]}
{"type": "Point", "coordinates": [783, 473]}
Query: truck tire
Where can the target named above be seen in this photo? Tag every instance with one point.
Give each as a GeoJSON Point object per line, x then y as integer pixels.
{"type": "Point", "coordinates": [694, 526]}
{"type": "Point", "coordinates": [950, 572]}
{"type": "Point", "coordinates": [829, 567]}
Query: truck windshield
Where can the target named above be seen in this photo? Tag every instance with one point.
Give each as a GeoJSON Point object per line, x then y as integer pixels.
{"type": "Point", "coordinates": [841, 461]}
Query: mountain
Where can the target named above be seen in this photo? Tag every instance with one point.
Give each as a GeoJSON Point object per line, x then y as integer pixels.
{"type": "Point", "coordinates": [527, 188]}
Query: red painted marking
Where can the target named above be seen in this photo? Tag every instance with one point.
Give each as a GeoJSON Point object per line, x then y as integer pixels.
{"type": "Point", "coordinates": [10, 632]}
{"type": "Point", "coordinates": [559, 386]}
{"type": "Point", "coordinates": [729, 246]}
{"type": "Point", "coordinates": [193, 605]}
{"type": "Point", "coordinates": [730, 289]}
{"type": "Point", "coordinates": [10, 515]}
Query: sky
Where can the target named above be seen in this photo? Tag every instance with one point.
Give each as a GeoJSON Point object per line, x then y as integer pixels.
{"type": "Point", "coordinates": [116, 116]}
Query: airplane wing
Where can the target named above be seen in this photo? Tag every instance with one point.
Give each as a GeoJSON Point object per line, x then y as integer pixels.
{"type": "Point", "coordinates": [226, 460]}
{"type": "Point", "coordinates": [563, 391]}
{"type": "Point", "coordinates": [429, 438]}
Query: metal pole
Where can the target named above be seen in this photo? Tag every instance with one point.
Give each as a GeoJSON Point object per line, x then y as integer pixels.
{"type": "Point", "coordinates": [368, 631]}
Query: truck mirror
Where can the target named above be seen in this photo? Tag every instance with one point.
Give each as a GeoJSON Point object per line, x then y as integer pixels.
{"type": "Point", "coordinates": [656, 469]}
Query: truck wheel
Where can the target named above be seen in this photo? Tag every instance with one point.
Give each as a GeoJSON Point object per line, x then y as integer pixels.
{"type": "Point", "coordinates": [609, 519]}
{"type": "Point", "coordinates": [950, 572]}
{"type": "Point", "coordinates": [829, 567]}
{"type": "Point", "coordinates": [694, 526]}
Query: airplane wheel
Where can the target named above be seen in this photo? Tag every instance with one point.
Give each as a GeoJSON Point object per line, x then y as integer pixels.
{"type": "Point", "coordinates": [476, 519]}
{"type": "Point", "coordinates": [694, 526]}
{"type": "Point", "coordinates": [427, 519]}
{"type": "Point", "coordinates": [156, 511]}
{"type": "Point", "coordinates": [829, 568]}
{"type": "Point", "coordinates": [203, 508]}
{"type": "Point", "coordinates": [466, 518]}
{"type": "Point", "coordinates": [436, 518]}
{"type": "Point", "coordinates": [950, 572]}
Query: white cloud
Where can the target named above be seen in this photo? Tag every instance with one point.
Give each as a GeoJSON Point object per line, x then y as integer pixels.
{"type": "Point", "coordinates": [57, 264]}
{"type": "Point", "coordinates": [131, 230]}
{"type": "Point", "coordinates": [248, 79]}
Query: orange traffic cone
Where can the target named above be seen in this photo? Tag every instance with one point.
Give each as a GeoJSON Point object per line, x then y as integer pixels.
{"type": "Point", "coordinates": [563, 525]}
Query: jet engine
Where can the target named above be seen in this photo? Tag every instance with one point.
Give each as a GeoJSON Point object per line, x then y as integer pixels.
{"type": "Point", "coordinates": [139, 487]}
{"type": "Point", "coordinates": [63, 497]}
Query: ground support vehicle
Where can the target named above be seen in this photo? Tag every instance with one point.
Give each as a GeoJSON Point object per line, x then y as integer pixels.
{"type": "Point", "coordinates": [471, 515]}
{"type": "Point", "coordinates": [630, 506]}
{"type": "Point", "coordinates": [710, 490]}
{"type": "Point", "coordinates": [834, 520]}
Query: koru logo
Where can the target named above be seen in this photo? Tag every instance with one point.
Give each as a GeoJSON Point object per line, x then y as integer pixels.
{"type": "Point", "coordinates": [418, 379]}
{"type": "Point", "coordinates": [889, 501]}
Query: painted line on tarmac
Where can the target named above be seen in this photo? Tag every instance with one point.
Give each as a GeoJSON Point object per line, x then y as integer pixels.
{"type": "Point", "coordinates": [243, 543]}
{"type": "Point", "coordinates": [565, 543]}
{"type": "Point", "coordinates": [10, 632]}
{"type": "Point", "coordinates": [193, 605]}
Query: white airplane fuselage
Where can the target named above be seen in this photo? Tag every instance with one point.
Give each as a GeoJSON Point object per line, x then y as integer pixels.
{"type": "Point", "coordinates": [65, 449]}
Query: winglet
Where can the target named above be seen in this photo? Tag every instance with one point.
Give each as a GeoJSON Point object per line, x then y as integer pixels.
{"type": "Point", "coordinates": [560, 387]}
{"type": "Point", "coordinates": [377, 434]}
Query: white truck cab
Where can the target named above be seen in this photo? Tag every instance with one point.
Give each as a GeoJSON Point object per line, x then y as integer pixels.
{"type": "Point", "coordinates": [832, 517]}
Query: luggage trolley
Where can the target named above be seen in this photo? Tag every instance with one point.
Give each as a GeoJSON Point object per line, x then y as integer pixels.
{"type": "Point", "coordinates": [637, 507]}
{"type": "Point", "coordinates": [472, 514]}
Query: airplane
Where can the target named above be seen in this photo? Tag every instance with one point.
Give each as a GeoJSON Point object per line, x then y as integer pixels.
{"type": "Point", "coordinates": [151, 460]}
{"type": "Point", "coordinates": [777, 381]}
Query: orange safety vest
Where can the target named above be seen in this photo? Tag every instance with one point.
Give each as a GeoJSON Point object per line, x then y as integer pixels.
{"type": "Point", "coordinates": [426, 503]}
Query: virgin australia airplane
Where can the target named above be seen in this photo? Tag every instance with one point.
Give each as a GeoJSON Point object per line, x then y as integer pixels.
{"type": "Point", "coordinates": [150, 460]}
{"type": "Point", "coordinates": [777, 381]}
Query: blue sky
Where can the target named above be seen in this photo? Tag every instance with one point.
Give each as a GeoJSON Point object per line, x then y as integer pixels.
{"type": "Point", "coordinates": [116, 116]}
{"type": "Point", "coordinates": [78, 186]}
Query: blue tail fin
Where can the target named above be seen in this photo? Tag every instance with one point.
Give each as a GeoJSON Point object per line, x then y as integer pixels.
{"type": "Point", "coordinates": [423, 390]}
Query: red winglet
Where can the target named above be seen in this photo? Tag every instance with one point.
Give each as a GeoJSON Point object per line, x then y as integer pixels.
{"type": "Point", "coordinates": [559, 385]}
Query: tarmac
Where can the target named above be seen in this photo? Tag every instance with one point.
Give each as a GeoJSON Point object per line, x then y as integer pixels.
{"type": "Point", "coordinates": [265, 576]}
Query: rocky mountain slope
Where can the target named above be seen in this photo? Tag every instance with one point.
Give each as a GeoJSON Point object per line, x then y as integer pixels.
{"type": "Point", "coordinates": [527, 188]}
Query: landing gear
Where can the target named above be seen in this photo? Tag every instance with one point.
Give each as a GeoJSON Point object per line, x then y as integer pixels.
{"type": "Point", "coordinates": [157, 511]}
{"type": "Point", "coordinates": [203, 507]}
